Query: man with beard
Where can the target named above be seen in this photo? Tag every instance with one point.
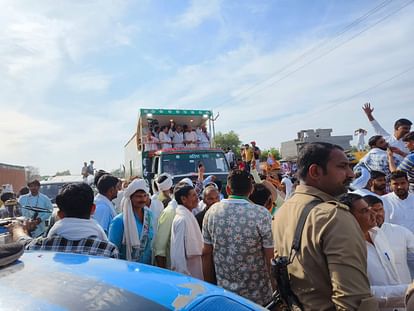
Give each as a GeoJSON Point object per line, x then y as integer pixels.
{"type": "Point", "coordinates": [378, 183]}
{"type": "Point", "coordinates": [399, 203]}
{"type": "Point", "coordinates": [376, 159]}
{"type": "Point", "coordinates": [328, 272]}
{"type": "Point", "coordinates": [132, 230]}
{"type": "Point", "coordinates": [401, 128]}
{"type": "Point", "coordinates": [407, 164]}
{"type": "Point", "coordinates": [374, 181]}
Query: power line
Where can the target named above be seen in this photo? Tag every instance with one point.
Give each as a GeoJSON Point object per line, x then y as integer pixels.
{"type": "Point", "coordinates": [323, 43]}
{"type": "Point", "coordinates": [339, 101]}
{"type": "Point", "coordinates": [319, 56]}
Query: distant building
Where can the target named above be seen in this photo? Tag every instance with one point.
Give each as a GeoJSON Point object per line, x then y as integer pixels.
{"type": "Point", "coordinates": [290, 149]}
{"type": "Point", "coordinates": [12, 175]}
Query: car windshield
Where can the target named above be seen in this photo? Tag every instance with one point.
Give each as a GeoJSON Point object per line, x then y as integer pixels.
{"type": "Point", "coordinates": [51, 190]}
{"type": "Point", "coordinates": [180, 164]}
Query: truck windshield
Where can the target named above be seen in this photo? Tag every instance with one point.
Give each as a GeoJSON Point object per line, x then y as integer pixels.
{"type": "Point", "coordinates": [180, 164]}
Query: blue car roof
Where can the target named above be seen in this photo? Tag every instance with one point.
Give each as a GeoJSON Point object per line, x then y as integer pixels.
{"type": "Point", "coordinates": [64, 281]}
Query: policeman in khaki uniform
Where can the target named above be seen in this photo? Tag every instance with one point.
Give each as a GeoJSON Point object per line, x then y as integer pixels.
{"type": "Point", "coordinates": [329, 271]}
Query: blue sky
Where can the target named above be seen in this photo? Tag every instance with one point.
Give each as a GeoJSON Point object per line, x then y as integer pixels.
{"type": "Point", "coordinates": [74, 73]}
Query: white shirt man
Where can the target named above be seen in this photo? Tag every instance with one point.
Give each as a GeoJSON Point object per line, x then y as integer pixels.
{"type": "Point", "coordinates": [385, 282]}
{"type": "Point", "coordinates": [165, 140]}
{"type": "Point", "coordinates": [177, 137]}
{"type": "Point", "coordinates": [399, 204]}
{"type": "Point", "coordinates": [190, 137]}
{"type": "Point", "coordinates": [230, 157]}
{"type": "Point", "coordinates": [151, 142]}
{"type": "Point", "coordinates": [382, 271]}
{"type": "Point", "coordinates": [203, 138]}
{"type": "Point", "coordinates": [401, 240]}
{"type": "Point", "coordinates": [186, 239]}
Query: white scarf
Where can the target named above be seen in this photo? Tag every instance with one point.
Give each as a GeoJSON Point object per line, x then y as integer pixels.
{"type": "Point", "coordinates": [131, 238]}
{"type": "Point", "coordinates": [193, 237]}
{"type": "Point", "coordinates": [76, 229]}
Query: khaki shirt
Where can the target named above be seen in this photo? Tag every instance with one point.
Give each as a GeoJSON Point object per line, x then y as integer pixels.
{"type": "Point", "coordinates": [330, 270]}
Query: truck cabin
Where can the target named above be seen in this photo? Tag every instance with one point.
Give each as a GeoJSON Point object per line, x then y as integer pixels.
{"type": "Point", "coordinates": [184, 163]}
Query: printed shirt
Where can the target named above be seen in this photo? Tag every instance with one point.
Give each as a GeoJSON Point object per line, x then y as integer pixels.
{"type": "Point", "coordinates": [391, 139]}
{"type": "Point", "coordinates": [89, 246]}
{"type": "Point", "coordinates": [238, 230]}
{"type": "Point", "coordinates": [376, 160]}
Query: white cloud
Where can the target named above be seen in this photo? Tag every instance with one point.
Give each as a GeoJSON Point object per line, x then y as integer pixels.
{"type": "Point", "coordinates": [40, 44]}
{"type": "Point", "coordinates": [88, 81]}
{"type": "Point", "coordinates": [198, 12]}
{"type": "Point", "coordinates": [304, 99]}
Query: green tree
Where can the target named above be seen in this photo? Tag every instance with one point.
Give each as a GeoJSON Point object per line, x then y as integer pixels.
{"type": "Point", "coordinates": [273, 150]}
{"type": "Point", "coordinates": [228, 140]}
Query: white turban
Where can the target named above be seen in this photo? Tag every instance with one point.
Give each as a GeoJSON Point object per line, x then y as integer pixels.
{"type": "Point", "coordinates": [187, 181]}
{"type": "Point", "coordinates": [131, 238]}
{"type": "Point", "coordinates": [166, 184]}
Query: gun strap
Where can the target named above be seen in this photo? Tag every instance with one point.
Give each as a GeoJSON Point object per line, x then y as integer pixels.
{"type": "Point", "coordinates": [297, 238]}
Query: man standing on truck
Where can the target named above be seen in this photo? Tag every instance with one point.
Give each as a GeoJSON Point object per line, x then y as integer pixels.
{"type": "Point", "coordinates": [151, 142]}
{"type": "Point", "coordinates": [165, 140]}
{"type": "Point", "coordinates": [190, 137]}
{"type": "Point", "coordinates": [177, 135]}
{"type": "Point", "coordinates": [203, 137]}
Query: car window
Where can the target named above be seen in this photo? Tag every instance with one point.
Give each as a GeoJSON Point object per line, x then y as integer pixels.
{"type": "Point", "coordinates": [51, 190]}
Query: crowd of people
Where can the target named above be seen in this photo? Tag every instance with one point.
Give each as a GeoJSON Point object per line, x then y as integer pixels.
{"type": "Point", "coordinates": [347, 235]}
{"type": "Point", "coordinates": [176, 136]}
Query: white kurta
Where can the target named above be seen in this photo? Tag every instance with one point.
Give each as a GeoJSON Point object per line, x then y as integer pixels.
{"type": "Point", "coordinates": [177, 138]}
{"type": "Point", "coordinates": [401, 241]}
{"type": "Point", "coordinates": [191, 138]}
{"type": "Point", "coordinates": [399, 212]}
{"type": "Point", "coordinates": [382, 274]}
{"type": "Point", "coordinates": [186, 244]}
{"type": "Point", "coordinates": [165, 140]}
{"type": "Point", "coordinates": [203, 139]}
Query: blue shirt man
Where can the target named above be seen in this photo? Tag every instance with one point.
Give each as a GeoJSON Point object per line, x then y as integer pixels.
{"type": "Point", "coordinates": [36, 199]}
{"type": "Point", "coordinates": [105, 210]}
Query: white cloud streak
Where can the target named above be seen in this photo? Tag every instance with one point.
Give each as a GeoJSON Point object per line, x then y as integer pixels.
{"type": "Point", "coordinates": [198, 12]}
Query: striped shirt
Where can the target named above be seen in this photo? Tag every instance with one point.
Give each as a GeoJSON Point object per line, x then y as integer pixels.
{"type": "Point", "coordinates": [407, 165]}
{"type": "Point", "coordinates": [89, 246]}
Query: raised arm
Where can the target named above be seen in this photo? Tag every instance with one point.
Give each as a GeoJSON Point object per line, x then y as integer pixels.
{"type": "Point", "coordinates": [379, 130]}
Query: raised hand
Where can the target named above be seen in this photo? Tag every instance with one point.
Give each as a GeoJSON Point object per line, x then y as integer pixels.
{"type": "Point", "coordinates": [368, 111]}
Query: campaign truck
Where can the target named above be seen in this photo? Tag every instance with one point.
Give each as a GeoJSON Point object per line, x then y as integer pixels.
{"type": "Point", "coordinates": [179, 162]}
